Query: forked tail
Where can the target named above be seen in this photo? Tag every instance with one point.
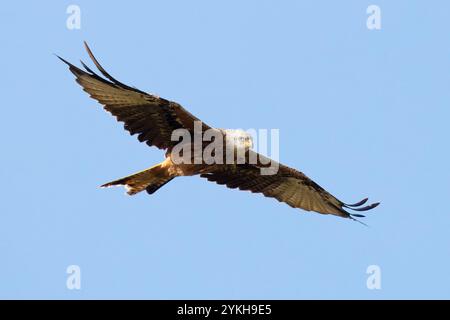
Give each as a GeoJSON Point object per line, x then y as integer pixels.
{"type": "Point", "coordinates": [150, 179]}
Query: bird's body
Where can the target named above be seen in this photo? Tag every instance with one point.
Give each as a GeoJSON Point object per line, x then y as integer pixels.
{"type": "Point", "coordinates": [155, 120]}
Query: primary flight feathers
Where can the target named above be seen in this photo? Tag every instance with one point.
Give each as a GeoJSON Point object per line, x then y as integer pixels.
{"type": "Point", "coordinates": [154, 119]}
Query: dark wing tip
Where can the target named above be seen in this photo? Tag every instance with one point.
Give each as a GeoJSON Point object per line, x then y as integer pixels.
{"type": "Point", "coordinates": [105, 73]}
{"type": "Point", "coordinates": [91, 55]}
{"type": "Point", "coordinates": [99, 66]}
{"type": "Point", "coordinates": [63, 60]}
{"type": "Point", "coordinates": [357, 204]}
{"type": "Point", "coordinates": [369, 207]}
{"type": "Point", "coordinates": [359, 221]}
{"type": "Point", "coordinates": [376, 204]}
{"type": "Point", "coordinates": [74, 69]}
{"type": "Point", "coordinates": [353, 216]}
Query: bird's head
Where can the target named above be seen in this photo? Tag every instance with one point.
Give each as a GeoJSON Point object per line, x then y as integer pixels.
{"type": "Point", "coordinates": [238, 138]}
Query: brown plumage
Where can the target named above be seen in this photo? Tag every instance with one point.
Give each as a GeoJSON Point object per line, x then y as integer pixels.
{"type": "Point", "coordinates": [154, 119]}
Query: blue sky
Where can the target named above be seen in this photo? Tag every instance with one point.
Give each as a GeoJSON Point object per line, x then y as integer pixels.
{"type": "Point", "coordinates": [362, 112]}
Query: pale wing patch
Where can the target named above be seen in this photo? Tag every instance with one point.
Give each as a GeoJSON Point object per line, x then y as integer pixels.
{"type": "Point", "coordinates": [299, 195]}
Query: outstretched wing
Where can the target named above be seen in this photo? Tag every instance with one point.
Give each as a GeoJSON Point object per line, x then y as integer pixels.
{"type": "Point", "coordinates": [151, 117]}
{"type": "Point", "coordinates": [287, 185]}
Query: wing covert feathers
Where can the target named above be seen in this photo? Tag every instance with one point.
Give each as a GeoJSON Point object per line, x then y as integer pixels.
{"type": "Point", "coordinates": [152, 118]}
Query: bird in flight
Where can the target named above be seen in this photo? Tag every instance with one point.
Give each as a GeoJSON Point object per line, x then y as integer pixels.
{"type": "Point", "coordinates": [155, 120]}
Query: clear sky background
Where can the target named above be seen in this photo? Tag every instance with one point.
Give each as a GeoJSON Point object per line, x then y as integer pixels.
{"type": "Point", "coordinates": [362, 112]}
